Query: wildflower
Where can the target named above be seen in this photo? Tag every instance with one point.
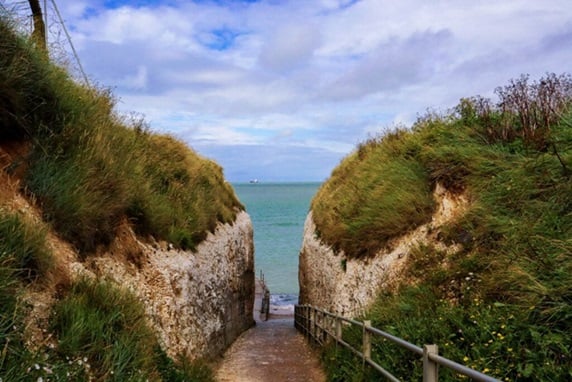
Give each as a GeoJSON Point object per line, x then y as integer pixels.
{"type": "Point", "coordinates": [36, 366]}
{"type": "Point", "coordinates": [465, 359]}
{"type": "Point", "coordinates": [509, 350]}
{"type": "Point", "coordinates": [486, 370]}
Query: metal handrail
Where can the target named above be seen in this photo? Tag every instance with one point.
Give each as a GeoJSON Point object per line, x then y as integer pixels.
{"type": "Point", "coordinates": [306, 320]}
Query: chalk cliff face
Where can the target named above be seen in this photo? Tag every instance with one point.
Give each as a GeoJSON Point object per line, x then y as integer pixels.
{"type": "Point", "coordinates": [198, 302]}
{"type": "Point", "coordinates": [349, 286]}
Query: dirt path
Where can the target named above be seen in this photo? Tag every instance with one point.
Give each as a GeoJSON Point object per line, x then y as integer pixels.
{"type": "Point", "coordinates": [271, 351]}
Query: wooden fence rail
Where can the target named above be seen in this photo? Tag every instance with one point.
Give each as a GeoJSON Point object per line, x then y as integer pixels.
{"type": "Point", "coordinates": [321, 327]}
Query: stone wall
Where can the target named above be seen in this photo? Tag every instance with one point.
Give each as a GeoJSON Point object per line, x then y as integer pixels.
{"type": "Point", "coordinates": [349, 286]}
{"type": "Point", "coordinates": [198, 302]}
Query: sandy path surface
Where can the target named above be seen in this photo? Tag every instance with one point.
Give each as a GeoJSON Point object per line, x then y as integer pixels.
{"type": "Point", "coordinates": [271, 351]}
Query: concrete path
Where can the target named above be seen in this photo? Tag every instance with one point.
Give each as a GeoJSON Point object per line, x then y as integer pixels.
{"type": "Point", "coordinates": [270, 351]}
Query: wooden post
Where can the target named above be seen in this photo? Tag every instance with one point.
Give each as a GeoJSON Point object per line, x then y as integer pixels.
{"type": "Point", "coordinates": [366, 346]}
{"type": "Point", "coordinates": [338, 330]}
{"type": "Point", "coordinates": [430, 368]}
{"type": "Point", "coordinates": [305, 321]}
{"type": "Point", "coordinates": [313, 323]}
{"type": "Point", "coordinates": [309, 322]}
{"type": "Point", "coordinates": [39, 32]}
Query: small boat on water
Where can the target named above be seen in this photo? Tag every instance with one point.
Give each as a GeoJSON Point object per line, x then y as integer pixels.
{"type": "Point", "coordinates": [253, 181]}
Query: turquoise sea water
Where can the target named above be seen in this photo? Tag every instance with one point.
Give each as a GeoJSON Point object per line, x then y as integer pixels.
{"type": "Point", "coordinates": [278, 212]}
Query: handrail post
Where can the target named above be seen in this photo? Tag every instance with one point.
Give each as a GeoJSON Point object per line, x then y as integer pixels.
{"type": "Point", "coordinates": [306, 322]}
{"type": "Point", "coordinates": [366, 346]}
{"type": "Point", "coordinates": [338, 330]}
{"type": "Point", "coordinates": [312, 323]}
{"type": "Point", "coordinates": [430, 368]}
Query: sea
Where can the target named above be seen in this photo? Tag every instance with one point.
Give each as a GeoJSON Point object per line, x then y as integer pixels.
{"type": "Point", "coordinates": [278, 212]}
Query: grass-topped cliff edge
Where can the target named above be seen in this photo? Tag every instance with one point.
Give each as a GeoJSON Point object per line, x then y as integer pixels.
{"type": "Point", "coordinates": [89, 168]}
{"type": "Point", "coordinates": [88, 171]}
{"type": "Point", "coordinates": [503, 303]}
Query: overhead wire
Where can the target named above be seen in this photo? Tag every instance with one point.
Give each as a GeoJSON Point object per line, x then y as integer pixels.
{"type": "Point", "coordinates": [76, 56]}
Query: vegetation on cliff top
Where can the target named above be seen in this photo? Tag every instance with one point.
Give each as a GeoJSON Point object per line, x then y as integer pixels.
{"type": "Point", "coordinates": [89, 169]}
{"type": "Point", "coordinates": [503, 304]}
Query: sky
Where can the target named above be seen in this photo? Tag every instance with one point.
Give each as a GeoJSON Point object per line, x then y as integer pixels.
{"type": "Point", "coordinates": [279, 90]}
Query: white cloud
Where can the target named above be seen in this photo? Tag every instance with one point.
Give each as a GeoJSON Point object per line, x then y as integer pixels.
{"type": "Point", "coordinates": [290, 46]}
{"type": "Point", "coordinates": [288, 76]}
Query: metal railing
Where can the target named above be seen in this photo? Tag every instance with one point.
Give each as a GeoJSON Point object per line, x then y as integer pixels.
{"type": "Point", "coordinates": [321, 327]}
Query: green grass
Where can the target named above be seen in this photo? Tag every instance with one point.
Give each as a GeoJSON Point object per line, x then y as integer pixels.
{"type": "Point", "coordinates": [103, 331]}
{"type": "Point", "coordinates": [503, 304]}
{"type": "Point", "coordinates": [90, 169]}
{"type": "Point", "coordinates": [106, 328]}
{"type": "Point", "coordinates": [24, 257]}
{"type": "Point", "coordinates": [360, 208]}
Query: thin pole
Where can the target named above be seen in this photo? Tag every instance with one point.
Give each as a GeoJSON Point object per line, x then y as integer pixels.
{"type": "Point", "coordinates": [70, 42]}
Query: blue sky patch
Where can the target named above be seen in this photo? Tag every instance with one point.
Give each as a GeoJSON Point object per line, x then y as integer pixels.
{"type": "Point", "coordinates": [137, 3]}
{"type": "Point", "coordinates": [219, 39]}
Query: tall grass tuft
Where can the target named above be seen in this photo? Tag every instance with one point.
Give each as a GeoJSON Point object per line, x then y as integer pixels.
{"type": "Point", "coordinates": [24, 257]}
{"type": "Point", "coordinates": [107, 327]}
{"type": "Point", "coordinates": [376, 193]}
{"type": "Point", "coordinates": [102, 333]}
{"type": "Point", "coordinates": [22, 245]}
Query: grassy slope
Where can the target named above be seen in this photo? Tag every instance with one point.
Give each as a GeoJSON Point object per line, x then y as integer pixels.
{"type": "Point", "coordinates": [502, 305]}
{"type": "Point", "coordinates": [89, 170]}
